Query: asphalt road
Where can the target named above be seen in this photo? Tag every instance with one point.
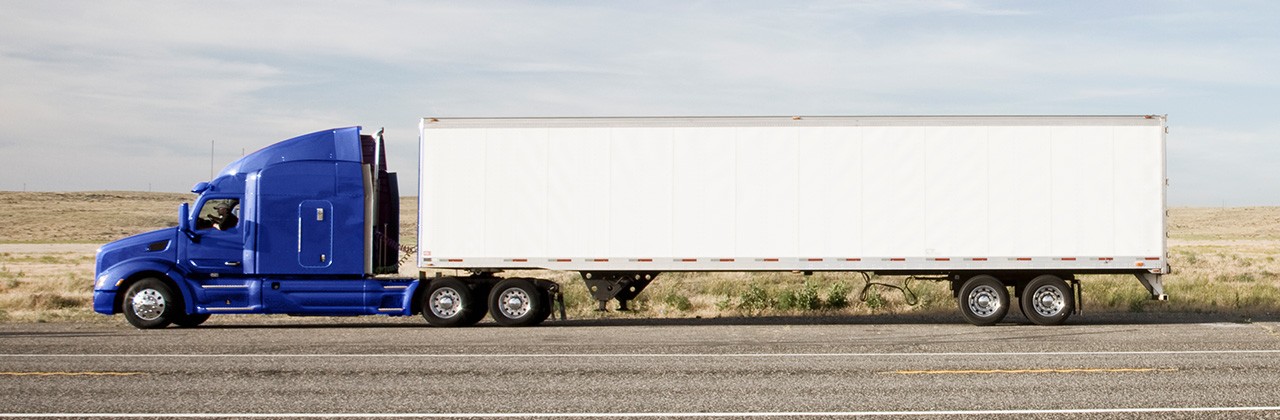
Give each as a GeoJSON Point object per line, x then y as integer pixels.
{"type": "Point", "coordinates": [1103, 366]}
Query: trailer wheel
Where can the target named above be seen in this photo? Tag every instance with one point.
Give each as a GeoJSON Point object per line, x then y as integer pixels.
{"type": "Point", "coordinates": [1048, 300]}
{"type": "Point", "coordinates": [983, 300]}
{"type": "Point", "coordinates": [150, 304]}
{"type": "Point", "coordinates": [449, 302]}
{"type": "Point", "coordinates": [518, 303]}
{"type": "Point", "coordinates": [190, 320]}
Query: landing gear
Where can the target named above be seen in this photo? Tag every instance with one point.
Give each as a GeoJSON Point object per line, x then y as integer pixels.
{"type": "Point", "coordinates": [614, 285]}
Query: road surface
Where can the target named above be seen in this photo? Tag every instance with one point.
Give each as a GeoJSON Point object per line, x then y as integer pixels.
{"type": "Point", "coordinates": [1101, 366]}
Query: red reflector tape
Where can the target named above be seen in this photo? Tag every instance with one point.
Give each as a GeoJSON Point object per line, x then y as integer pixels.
{"type": "Point", "coordinates": [645, 260]}
{"type": "Point", "coordinates": [1068, 258]}
{"type": "Point", "coordinates": [770, 260]}
{"type": "Point", "coordinates": [1153, 258]}
{"type": "Point", "coordinates": [853, 259]}
{"type": "Point", "coordinates": [815, 260]}
{"type": "Point", "coordinates": [563, 260]}
{"type": "Point", "coordinates": [1024, 259]}
{"type": "Point", "coordinates": [897, 259]}
{"type": "Point", "coordinates": [455, 260]}
{"type": "Point", "coordinates": [688, 260]}
{"type": "Point", "coordinates": [979, 259]}
{"type": "Point", "coordinates": [1106, 259]}
{"type": "Point", "coordinates": [600, 260]}
{"type": "Point", "coordinates": [520, 260]}
{"type": "Point", "coordinates": [942, 259]}
{"type": "Point", "coordinates": [726, 260]}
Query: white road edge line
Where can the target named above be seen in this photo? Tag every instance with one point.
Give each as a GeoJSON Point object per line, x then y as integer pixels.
{"type": "Point", "coordinates": [652, 415]}
{"type": "Point", "coordinates": [650, 355]}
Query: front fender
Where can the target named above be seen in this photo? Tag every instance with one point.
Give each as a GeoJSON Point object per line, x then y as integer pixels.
{"type": "Point", "coordinates": [110, 283]}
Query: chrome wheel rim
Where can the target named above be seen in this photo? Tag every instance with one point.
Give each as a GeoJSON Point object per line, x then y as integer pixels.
{"type": "Point", "coordinates": [148, 304]}
{"type": "Point", "coordinates": [514, 303]}
{"type": "Point", "coordinates": [1048, 301]}
{"type": "Point", "coordinates": [446, 302]}
{"type": "Point", "coordinates": [984, 301]}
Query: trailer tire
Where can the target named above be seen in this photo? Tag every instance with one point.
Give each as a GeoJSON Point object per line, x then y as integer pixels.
{"type": "Point", "coordinates": [150, 304]}
{"type": "Point", "coordinates": [190, 320]}
{"type": "Point", "coordinates": [983, 300]}
{"type": "Point", "coordinates": [518, 303]}
{"type": "Point", "coordinates": [448, 302]}
{"type": "Point", "coordinates": [1048, 300]}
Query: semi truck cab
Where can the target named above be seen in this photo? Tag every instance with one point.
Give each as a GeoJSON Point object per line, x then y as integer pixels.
{"type": "Point", "coordinates": [300, 227]}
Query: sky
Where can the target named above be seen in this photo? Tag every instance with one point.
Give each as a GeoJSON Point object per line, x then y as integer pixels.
{"type": "Point", "coordinates": [148, 96]}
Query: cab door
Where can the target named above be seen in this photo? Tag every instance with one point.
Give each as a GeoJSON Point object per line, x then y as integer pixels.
{"type": "Point", "coordinates": [218, 249]}
{"type": "Point", "coordinates": [213, 260]}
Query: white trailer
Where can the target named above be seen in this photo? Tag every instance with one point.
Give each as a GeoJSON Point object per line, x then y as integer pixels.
{"type": "Point", "coordinates": [990, 202]}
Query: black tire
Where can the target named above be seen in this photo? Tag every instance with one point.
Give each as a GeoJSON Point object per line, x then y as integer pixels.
{"type": "Point", "coordinates": [190, 320]}
{"type": "Point", "coordinates": [448, 302]}
{"type": "Point", "coordinates": [479, 304]}
{"type": "Point", "coordinates": [547, 306]}
{"type": "Point", "coordinates": [1048, 300]}
{"type": "Point", "coordinates": [983, 300]}
{"type": "Point", "coordinates": [518, 303]}
{"type": "Point", "coordinates": [150, 303]}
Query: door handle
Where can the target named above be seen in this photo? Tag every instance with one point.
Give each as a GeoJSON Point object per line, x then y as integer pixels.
{"type": "Point", "coordinates": [231, 263]}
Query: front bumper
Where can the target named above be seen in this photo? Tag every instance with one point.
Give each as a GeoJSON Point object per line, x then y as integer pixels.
{"type": "Point", "coordinates": [104, 301]}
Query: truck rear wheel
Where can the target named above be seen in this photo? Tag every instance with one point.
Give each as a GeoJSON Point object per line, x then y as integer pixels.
{"type": "Point", "coordinates": [1048, 300]}
{"type": "Point", "coordinates": [449, 302]}
{"type": "Point", "coordinates": [518, 303]}
{"type": "Point", "coordinates": [983, 300]}
{"type": "Point", "coordinates": [150, 303]}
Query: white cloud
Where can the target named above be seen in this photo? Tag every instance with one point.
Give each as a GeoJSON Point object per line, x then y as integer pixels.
{"type": "Point", "coordinates": [119, 94]}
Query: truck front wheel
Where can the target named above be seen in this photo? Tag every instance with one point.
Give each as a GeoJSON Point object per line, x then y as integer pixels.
{"type": "Point", "coordinates": [450, 303]}
{"type": "Point", "coordinates": [518, 303]}
{"type": "Point", "coordinates": [1047, 300]}
{"type": "Point", "coordinates": [190, 320]}
{"type": "Point", "coordinates": [983, 300]}
{"type": "Point", "coordinates": [150, 303]}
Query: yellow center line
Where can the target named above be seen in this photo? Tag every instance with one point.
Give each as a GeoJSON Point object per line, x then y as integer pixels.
{"type": "Point", "coordinates": [994, 371]}
{"type": "Point", "coordinates": [70, 373]}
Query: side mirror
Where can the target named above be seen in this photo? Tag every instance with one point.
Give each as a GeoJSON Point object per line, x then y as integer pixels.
{"type": "Point", "coordinates": [184, 222]}
{"type": "Point", "coordinates": [200, 187]}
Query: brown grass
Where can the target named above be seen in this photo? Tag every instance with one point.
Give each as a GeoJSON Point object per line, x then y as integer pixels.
{"type": "Point", "coordinates": [1225, 261]}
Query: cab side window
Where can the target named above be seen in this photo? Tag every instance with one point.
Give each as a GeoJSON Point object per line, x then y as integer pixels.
{"type": "Point", "coordinates": [220, 214]}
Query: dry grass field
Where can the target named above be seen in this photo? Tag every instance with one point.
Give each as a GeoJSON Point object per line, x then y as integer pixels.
{"type": "Point", "coordinates": [1224, 261]}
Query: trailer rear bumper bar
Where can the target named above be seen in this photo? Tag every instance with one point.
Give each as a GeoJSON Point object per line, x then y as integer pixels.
{"type": "Point", "coordinates": [1153, 284]}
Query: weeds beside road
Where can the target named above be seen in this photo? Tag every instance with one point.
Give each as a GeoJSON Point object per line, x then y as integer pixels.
{"type": "Point", "coordinates": [1224, 260]}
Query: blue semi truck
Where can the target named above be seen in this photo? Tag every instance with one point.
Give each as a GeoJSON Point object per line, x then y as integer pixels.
{"type": "Point", "coordinates": [300, 227]}
{"type": "Point", "coordinates": [1008, 210]}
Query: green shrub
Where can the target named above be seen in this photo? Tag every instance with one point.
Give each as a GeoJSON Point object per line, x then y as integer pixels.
{"type": "Point", "coordinates": [838, 298]}
{"type": "Point", "coordinates": [754, 300]}
{"type": "Point", "coordinates": [807, 298]}
{"type": "Point", "coordinates": [677, 301]}
{"type": "Point", "coordinates": [872, 299]}
{"type": "Point", "coordinates": [787, 300]}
